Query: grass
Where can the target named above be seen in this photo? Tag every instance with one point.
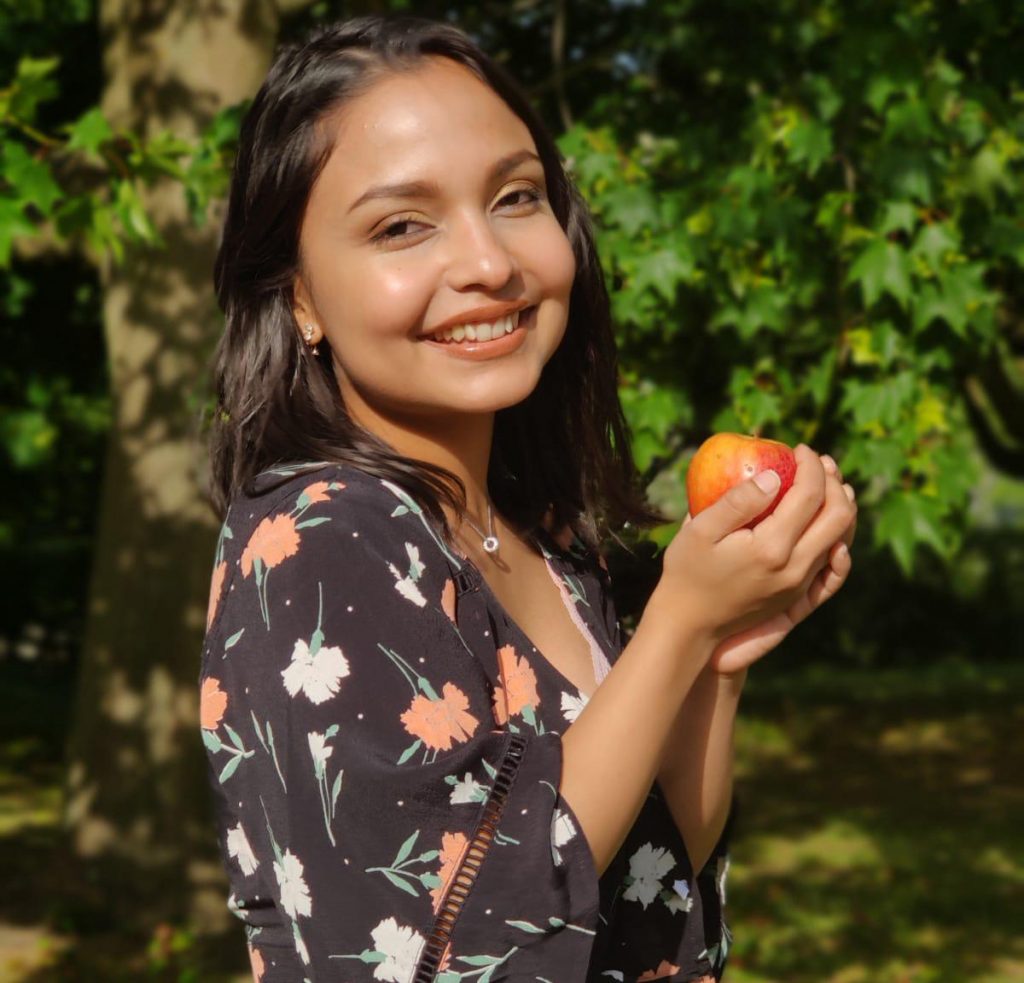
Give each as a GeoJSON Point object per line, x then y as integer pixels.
{"type": "Point", "coordinates": [879, 838]}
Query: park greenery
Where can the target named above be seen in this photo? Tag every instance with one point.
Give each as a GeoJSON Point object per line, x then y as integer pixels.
{"type": "Point", "coordinates": [811, 221]}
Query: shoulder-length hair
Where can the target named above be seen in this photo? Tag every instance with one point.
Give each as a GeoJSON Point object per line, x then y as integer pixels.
{"type": "Point", "coordinates": [565, 448]}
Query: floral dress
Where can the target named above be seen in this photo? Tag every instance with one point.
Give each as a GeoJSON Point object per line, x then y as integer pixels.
{"type": "Point", "coordinates": [385, 753]}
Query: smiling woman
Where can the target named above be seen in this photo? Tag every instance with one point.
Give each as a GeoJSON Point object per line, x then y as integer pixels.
{"type": "Point", "coordinates": [416, 326]}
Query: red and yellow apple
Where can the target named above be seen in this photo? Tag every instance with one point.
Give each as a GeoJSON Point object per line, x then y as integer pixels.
{"type": "Point", "coordinates": [727, 459]}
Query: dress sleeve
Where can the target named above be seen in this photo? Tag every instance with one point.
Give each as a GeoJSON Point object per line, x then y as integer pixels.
{"type": "Point", "coordinates": [375, 820]}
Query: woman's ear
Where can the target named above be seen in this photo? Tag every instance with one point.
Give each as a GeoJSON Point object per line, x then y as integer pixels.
{"type": "Point", "coordinates": [302, 311]}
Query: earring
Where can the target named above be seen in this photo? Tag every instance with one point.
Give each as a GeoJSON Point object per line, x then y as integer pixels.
{"type": "Point", "coordinates": [308, 332]}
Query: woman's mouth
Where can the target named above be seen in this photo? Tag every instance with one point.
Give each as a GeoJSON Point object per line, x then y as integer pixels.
{"type": "Point", "coordinates": [485, 340]}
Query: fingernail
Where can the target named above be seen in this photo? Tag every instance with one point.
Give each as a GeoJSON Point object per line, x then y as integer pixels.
{"type": "Point", "coordinates": [829, 460]}
{"type": "Point", "coordinates": [768, 481]}
{"type": "Point", "coordinates": [842, 551]}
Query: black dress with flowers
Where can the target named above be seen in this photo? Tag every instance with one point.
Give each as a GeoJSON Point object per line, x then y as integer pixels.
{"type": "Point", "coordinates": [385, 753]}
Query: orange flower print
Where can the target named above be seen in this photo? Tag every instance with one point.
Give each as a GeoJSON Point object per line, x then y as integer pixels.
{"type": "Point", "coordinates": [448, 599]}
{"type": "Point", "coordinates": [272, 541]}
{"type": "Point", "coordinates": [213, 701]}
{"type": "Point", "coordinates": [216, 586]}
{"type": "Point", "coordinates": [317, 492]}
{"type": "Point", "coordinates": [665, 969]}
{"type": "Point", "coordinates": [439, 722]}
{"type": "Point", "coordinates": [256, 961]}
{"type": "Point", "coordinates": [453, 847]}
{"type": "Point", "coordinates": [520, 685]}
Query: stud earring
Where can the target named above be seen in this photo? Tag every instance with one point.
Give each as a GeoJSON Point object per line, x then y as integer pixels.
{"type": "Point", "coordinates": [308, 332]}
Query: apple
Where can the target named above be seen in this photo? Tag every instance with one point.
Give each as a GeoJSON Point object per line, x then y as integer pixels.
{"type": "Point", "coordinates": [726, 459]}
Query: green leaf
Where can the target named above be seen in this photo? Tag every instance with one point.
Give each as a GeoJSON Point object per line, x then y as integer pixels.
{"type": "Point", "coordinates": [632, 208]}
{"type": "Point", "coordinates": [32, 85]}
{"type": "Point", "coordinates": [936, 244]}
{"type": "Point", "coordinates": [880, 458]}
{"type": "Point", "coordinates": [882, 268]}
{"type": "Point", "coordinates": [665, 269]}
{"type": "Point", "coordinates": [88, 133]}
{"type": "Point", "coordinates": [211, 740]}
{"type": "Point", "coordinates": [899, 216]}
{"type": "Point", "coordinates": [880, 401]}
{"type": "Point", "coordinates": [233, 640]}
{"type": "Point", "coordinates": [810, 144]}
{"type": "Point", "coordinates": [30, 179]}
{"type": "Point", "coordinates": [13, 223]}
{"type": "Point", "coordinates": [906, 519]}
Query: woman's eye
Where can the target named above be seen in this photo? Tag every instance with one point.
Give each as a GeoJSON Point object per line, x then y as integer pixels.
{"type": "Point", "coordinates": [396, 230]}
{"type": "Point", "coordinates": [529, 194]}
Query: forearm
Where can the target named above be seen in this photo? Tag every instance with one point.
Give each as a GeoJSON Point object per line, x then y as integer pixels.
{"type": "Point", "coordinates": [612, 752]}
{"type": "Point", "coordinates": [696, 776]}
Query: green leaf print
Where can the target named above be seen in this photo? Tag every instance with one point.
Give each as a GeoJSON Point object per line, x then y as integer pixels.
{"type": "Point", "coordinates": [409, 752]}
{"type": "Point", "coordinates": [398, 882]}
{"type": "Point", "coordinates": [335, 790]}
{"type": "Point", "coordinates": [233, 640]}
{"type": "Point", "coordinates": [235, 739]}
{"type": "Point", "coordinates": [212, 741]}
{"type": "Point", "coordinates": [526, 926]}
{"type": "Point", "coordinates": [406, 848]}
{"type": "Point", "coordinates": [229, 769]}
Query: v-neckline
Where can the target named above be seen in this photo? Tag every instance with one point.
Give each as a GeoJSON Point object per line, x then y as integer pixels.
{"type": "Point", "coordinates": [558, 555]}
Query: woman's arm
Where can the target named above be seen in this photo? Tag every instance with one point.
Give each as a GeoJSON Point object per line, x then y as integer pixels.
{"type": "Point", "coordinates": [696, 776]}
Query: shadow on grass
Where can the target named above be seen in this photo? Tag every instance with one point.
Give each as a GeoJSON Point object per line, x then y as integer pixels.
{"type": "Point", "coordinates": [881, 836]}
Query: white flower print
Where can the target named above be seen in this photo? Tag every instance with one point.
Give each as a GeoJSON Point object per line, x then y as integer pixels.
{"type": "Point", "coordinates": [720, 871]}
{"type": "Point", "coordinates": [572, 705]}
{"type": "Point", "coordinates": [647, 867]}
{"type": "Point", "coordinates": [562, 831]}
{"type": "Point", "coordinates": [402, 946]}
{"type": "Point", "coordinates": [320, 751]}
{"type": "Point", "coordinates": [406, 585]}
{"type": "Point", "coordinates": [318, 676]}
{"type": "Point", "coordinates": [468, 790]}
{"type": "Point", "coordinates": [294, 892]}
{"type": "Point", "coordinates": [300, 944]}
{"type": "Point", "coordinates": [682, 900]}
{"type": "Point", "coordinates": [238, 847]}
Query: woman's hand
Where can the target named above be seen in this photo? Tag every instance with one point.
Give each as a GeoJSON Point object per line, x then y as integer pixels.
{"type": "Point", "coordinates": [732, 656]}
{"type": "Point", "coordinates": [720, 578]}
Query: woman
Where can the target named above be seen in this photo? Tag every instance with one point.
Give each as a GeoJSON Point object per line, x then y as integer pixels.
{"type": "Point", "coordinates": [433, 753]}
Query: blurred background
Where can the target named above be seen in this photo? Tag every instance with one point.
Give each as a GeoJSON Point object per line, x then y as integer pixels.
{"type": "Point", "coordinates": [810, 216]}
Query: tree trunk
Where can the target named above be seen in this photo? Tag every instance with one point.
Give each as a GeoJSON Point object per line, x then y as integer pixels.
{"type": "Point", "coordinates": [140, 843]}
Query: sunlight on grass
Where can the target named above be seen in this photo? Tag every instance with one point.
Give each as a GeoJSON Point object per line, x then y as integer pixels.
{"type": "Point", "coordinates": [836, 846]}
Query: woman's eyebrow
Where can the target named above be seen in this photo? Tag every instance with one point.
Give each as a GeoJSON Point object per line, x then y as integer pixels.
{"type": "Point", "coordinates": [424, 189]}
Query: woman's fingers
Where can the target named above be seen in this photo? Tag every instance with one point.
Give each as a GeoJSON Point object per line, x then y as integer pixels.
{"type": "Point", "coordinates": [832, 576]}
{"type": "Point", "coordinates": [798, 507]}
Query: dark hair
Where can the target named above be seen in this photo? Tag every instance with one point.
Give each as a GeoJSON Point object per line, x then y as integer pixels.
{"type": "Point", "coordinates": [564, 447]}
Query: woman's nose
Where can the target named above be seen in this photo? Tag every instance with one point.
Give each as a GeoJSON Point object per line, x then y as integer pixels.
{"type": "Point", "coordinates": [478, 256]}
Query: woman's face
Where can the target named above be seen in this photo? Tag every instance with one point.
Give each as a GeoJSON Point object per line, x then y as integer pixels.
{"type": "Point", "coordinates": [471, 228]}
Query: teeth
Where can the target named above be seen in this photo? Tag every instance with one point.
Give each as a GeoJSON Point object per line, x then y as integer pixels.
{"type": "Point", "coordinates": [482, 331]}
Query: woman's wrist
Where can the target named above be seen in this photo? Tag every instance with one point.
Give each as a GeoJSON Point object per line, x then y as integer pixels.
{"type": "Point", "coordinates": [677, 621]}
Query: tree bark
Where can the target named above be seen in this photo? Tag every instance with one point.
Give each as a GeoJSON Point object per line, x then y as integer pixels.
{"type": "Point", "coordinates": [140, 842]}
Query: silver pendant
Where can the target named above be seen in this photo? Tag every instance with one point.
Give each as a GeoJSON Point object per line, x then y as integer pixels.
{"type": "Point", "coordinates": [491, 544]}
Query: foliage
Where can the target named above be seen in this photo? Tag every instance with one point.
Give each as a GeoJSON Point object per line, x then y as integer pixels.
{"type": "Point", "coordinates": [813, 216]}
{"type": "Point", "coordinates": [809, 214]}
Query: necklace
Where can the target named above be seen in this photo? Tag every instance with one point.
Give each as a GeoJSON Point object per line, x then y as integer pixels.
{"type": "Point", "coordinates": [490, 541]}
